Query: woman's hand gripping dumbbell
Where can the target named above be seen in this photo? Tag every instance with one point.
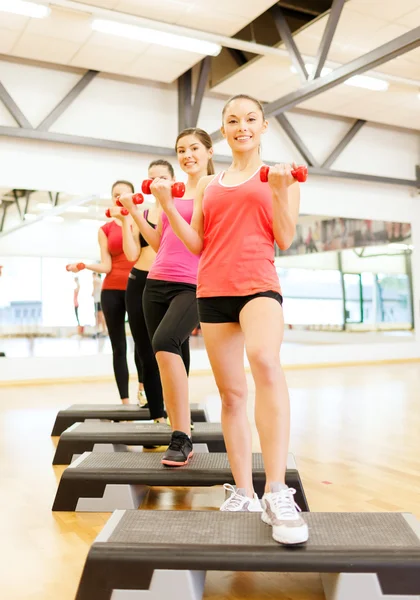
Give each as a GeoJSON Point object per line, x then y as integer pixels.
{"type": "Point", "coordinates": [177, 188]}
{"type": "Point", "coordinates": [135, 199]}
{"type": "Point", "coordinates": [76, 267]}
{"type": "Point", "coordinates": [300, 173]}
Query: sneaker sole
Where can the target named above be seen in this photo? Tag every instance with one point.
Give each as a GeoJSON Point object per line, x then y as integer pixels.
{"type": "Point", "coordinates": [302, 540]}
{"type": "Point", "coordinates": [281, 540]}
{"type": "Point", "coordinates": [172, 463]}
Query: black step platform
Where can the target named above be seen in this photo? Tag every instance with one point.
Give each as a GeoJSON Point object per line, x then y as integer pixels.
{"type": "Point", "coordinates": [77, 413]}
{"type": "Point", "coordinates": [135, 546]}
{"type": "Point", "coordinates": [86, 479]}
{"type": "Point", "coordinates": [82, 437]}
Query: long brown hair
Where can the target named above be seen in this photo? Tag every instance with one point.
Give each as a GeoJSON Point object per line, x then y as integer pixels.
{"type": "Point", "coordinates": [160, 162]}
{"type": "Point", "coordinates": [244, 97]}
{"type": "Point", "coordinates": [123, 182]}
{"type": "Point", "coordinates": [204, 138]}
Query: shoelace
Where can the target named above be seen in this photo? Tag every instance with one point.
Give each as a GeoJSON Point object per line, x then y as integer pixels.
{"type": "Point", "coordinates": [284, 502]}
{"type": "Point", "coordinates": [177, 442]}
{"type": "Point", "coordinates": [236, 499]}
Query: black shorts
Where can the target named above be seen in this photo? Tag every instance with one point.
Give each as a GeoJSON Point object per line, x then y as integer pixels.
{"type": "Point", "coordinates": [226, 309]}
{"type": "Point", "coordinates": [98, 307]}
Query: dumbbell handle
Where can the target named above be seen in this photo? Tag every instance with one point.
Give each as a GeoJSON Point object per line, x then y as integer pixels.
{"type": "Point", "coordinates": [80, 266]}
{"type": "Point", "coordinates": [300, 174]}
{"type": "Point", "coordinates": [123, 211]}
{"type": "Point", "coordinates": [178, 188]}
{"type": "Point", "coordinates": [137, 199]}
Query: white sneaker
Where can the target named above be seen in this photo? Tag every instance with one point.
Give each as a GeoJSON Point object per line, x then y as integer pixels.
{"type": "Point", "coordinates": [281, 512]}
{"type": "Point", "coordinates": [239, 502]}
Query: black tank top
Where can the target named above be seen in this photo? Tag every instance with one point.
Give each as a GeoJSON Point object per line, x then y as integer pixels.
{"type": "Point", "coordinates": [143, 242]}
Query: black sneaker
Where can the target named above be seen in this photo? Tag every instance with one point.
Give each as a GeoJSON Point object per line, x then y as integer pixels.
{"type": "Point", "coordinates": [179, 450]}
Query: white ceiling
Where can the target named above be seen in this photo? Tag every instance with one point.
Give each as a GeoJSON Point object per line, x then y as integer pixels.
{"type": "Point", "coordinates": [363, 26]}
{"type": "Point", "coordinates": [66, 37]}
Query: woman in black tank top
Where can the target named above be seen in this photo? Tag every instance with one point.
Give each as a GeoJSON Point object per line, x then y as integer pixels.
{"type": "Point", "coordinates": [136, 248]}
{"type": "Point", "coordinates": [143, 242]}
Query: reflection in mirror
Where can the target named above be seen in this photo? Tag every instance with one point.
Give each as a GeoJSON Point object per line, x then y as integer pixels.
{"type": "Point", "coordinates": [348, 275]}
{"type": "Point", "coordinates": [44, 309]}
{"type": "Point", "coordinates": [339, 275]}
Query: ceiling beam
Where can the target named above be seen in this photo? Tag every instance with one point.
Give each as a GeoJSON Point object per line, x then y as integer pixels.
{"type": "Point", "coordinates": [238, 56]}
{"type": "Point", "coordinates": [67, 100]}
{"type": "Point", "coordinates": [27, 200]}
{"type": "Point", "coordinates": [293, 135]}
{"type": "Point", "coordinates": [329, 31]}
{"type": "Point", "coordinates": [13, 108]}
{"type": "Point", "coordinates": [354, 129]}
{"type": "Point", "coordinates": [400, 45]}
{"type": "Point", "coordinates": [299, 9]}
{"type": "Point", "coordinates": [5, 206]}
{"type": "Point", "coordinates": [16, 197]}
{"type": "Point", "coordinates": [184, 100]}
{"type": "Point", "coordinates": [79, 201]}
{"type": "Point", "coordinates": [361, 177]}
{"type": "Point", "coordinates": [200, 89]}
{"type": "Point", "coordinates": [287, 38]}
{"type": "Point", "coordinates": [78, 140]}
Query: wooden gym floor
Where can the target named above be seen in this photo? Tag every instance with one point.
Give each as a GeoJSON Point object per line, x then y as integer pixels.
{"type": "Point", "coordinates": [355, 435]}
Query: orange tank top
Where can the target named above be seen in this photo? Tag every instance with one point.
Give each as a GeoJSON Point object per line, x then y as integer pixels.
{"type": "Point", "coordinates": [238, 249]}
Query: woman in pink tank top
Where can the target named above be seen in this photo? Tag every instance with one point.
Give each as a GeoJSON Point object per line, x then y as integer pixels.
{"type": "Point", "coordinates": [237, 218]}
{"type": "Point", "coordinates": [169, 298]}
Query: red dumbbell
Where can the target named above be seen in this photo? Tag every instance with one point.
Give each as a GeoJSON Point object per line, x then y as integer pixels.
{"type": "Point", "coordinates": [178, 188]}
{"type": "Point", "coordinates": [80, 266]}
{"type": "Point", "coordinates": [123, 211]}
{"type": "Point", "coordinates": [137, 199]}
{"type": "Point", "coordinates": [300, 174]}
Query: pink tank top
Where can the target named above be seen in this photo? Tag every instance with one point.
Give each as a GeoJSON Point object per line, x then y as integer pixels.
{"type": "Point", "coordinates": [238, 250]}
{"type": "Point", "coordinates": [173, 261]}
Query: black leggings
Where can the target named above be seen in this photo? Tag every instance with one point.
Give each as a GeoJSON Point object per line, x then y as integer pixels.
{"type": "Point", "coordinates": [113, 306]}
{"type": "Point", "coordinates": [151, 378]}
{"type": "Point", "coordinates": [171, 314]}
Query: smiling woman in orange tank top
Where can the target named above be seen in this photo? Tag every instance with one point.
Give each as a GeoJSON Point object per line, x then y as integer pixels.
{"type": "Point", "coordinates": [237, 218]}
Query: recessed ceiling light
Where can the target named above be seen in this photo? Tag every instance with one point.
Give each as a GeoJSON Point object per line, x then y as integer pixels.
{"type": "Point", "coordinates": [362, 81]}
{"type": "Point", "coordinates": [368, 83]}
{"type": "Point", "coordinates": [154, 36]}
{"type": "Point", "coordinates": [24, 8]}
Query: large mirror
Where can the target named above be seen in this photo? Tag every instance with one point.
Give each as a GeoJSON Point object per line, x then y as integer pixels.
{"type": "Point", "coordinates": [339, 276]}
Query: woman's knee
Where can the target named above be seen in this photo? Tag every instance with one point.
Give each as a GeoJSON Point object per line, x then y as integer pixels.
{"type": "Point", "coordinates": [264, 364]}
{"type": "Point", "coordinates": [165, 343]}
{"type": "Point", "coordinates": [233, 398]}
